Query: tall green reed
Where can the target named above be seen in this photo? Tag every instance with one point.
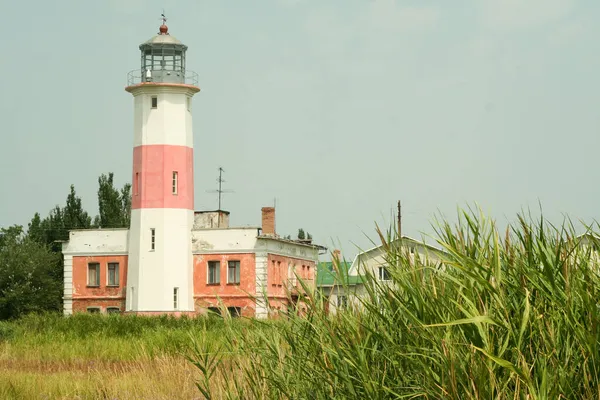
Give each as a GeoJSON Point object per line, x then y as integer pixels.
{"type": "Point", "coordinates": [509, 314]}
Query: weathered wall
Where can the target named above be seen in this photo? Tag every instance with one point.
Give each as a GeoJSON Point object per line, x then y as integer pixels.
{"type": "Point", "coordinates": [97, 241]}
{"type": "Point", "coordinates": [81, 305]}
{"type": "Point", "coordinates": [234, 295]}
{"type": "Point", "coordinates": [211, 220]}
{"type": "Point", "coordinates": [235, 240]}
{"type": "Point", "coordinates": [80, 277]}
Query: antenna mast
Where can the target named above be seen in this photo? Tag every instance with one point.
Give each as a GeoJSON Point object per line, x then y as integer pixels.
{"type": "Point", "coordinates": [220, 190]}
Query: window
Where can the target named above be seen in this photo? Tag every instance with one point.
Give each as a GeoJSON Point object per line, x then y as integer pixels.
{"type": "Point", "coordinates": [189, 104]}
{"type": "Point", "coordinates": [342, 302]}
{"type": "Point", "coordinates": [113, 274]}
{"type": "Point", "coordinates": [93, 274]}
{"type": "Point", "coordinates": [213, 272]}
{"type": "Point", "coordinates": [113, 310]}
{"type": "Point", "coordinates": [136, 189]}
{"type": "Point", "coordinates": [131, 299]}
{"type": "Point", "coordinates": [234, 311]}
{"type": "Point", "coordinates": [175, 298]}
{"type": "Point", "coordinates": [154, 102]}
{"type": "Point", "coordinates": [233, 272]}
{"type": "Point", "coordinates": [93, 310]}
{"type": "Point", "coordinates": [174, 183]}
{"type": "Point", "coordinates": [214, 311]}
{"type": "Point", "coordinates": [384, 274]}
{"type": "Point", "coordinates": [152, 239]}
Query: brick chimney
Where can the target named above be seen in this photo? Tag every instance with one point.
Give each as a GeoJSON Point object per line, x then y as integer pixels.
{"type": "Point", "coordinates": [268, 221]}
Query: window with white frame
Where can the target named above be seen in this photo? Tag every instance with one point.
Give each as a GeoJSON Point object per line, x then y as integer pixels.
{"type": "Point", "coordinates": [93, 310]}
{"type": "Point", "coordinates": [154, 102]}
{"type": "Point", "coordinates": [113, 310]}
{"type": "Point", "coordinates": [384, 274]}
{"type": "Point", "coordinates": [233, 272]}
{"type": "Point", "coordinates": [93, 274]}
{"type": "Point", "coordinates": [174, 183]}
{"type": "Point", "coordinates": [342, 302]}
{"type": "Point", "coordinates": [152, 238]}
{"type": "Point", "coordinates": [112, 274]}
{"type": "Point", "coordinates": [214, 272]}
{"type": "Point", "coordinates": [175, 298]}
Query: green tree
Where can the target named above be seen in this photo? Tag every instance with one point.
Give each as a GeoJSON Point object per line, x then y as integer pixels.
{"type": "Point", "coordinates": [28, 275]}
{"type": "Point", "coordinates": [126, 205]}
{"type": "Point", "coordinates": [114, 205]}
{"type": "Point", "coordinates": [74, 216]}
{"type": "Point", "coordinates": [301, 234]}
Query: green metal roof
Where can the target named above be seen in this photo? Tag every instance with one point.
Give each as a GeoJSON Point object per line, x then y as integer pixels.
{"type": "Point", "coordinates": [328, 276]}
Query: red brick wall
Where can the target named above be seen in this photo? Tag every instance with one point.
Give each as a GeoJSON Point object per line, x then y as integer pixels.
{"type": "Point", "coordinates": [278, 269]}
{"type": "Point", "coordinates": [232, 295]}
{"type": "Point", "coordinates": [81, 305]}
{"type": "Point", "coordinates": [268, 220]}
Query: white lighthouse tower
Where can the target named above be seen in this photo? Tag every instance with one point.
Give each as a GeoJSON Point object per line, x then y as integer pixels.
{"type": "Point", "coordinates": [160, 265]}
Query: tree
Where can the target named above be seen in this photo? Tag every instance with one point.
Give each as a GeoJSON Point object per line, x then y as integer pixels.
{"type": "Point", "coordinates": [301, 234]}
{"type": "Point", "coordinates": [74, 216]}
{"type": "Point", "coordinates": [114, 206]}
{"type": "Point", "coordinates": [28, 275]}
{"type": "Point", "coordinates": [126, 205]}
{"type": "Point", "coordinates": [35, 230]}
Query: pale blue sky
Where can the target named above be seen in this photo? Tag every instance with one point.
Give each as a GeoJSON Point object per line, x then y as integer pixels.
{"type": "Point", "coordinates": [337, 108]}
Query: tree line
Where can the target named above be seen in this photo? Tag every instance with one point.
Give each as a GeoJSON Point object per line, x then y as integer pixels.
{"type": "Point", "coordinates": [31, 264]}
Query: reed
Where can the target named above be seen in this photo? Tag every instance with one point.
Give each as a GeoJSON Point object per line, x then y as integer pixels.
{"type": "Point", "coordinates": [509, 315]}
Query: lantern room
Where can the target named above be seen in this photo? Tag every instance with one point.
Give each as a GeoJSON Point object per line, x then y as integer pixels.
{"type": "Point", "coordinates": [163, 58]}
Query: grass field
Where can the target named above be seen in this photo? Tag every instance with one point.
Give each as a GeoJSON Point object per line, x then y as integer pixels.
{"type": "Point", "coordinates": [94, 356]}
{"type": "Point", "coordinates": [513, 315]}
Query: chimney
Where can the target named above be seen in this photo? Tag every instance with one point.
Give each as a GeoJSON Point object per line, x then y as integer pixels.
{"type": "Point", "coordinates": [268, 221]}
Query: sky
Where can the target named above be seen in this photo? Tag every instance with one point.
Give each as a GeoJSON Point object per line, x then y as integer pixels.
{"type": "Point", "coordinates": [333, 109]}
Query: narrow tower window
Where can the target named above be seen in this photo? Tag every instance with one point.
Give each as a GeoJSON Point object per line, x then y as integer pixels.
{"type": "Point", "coordinates": [154, 102]}
{"type": "Point", "coordinates": [189, 104]}
{"type": "Point", "coordinates": [175, 298]}
{"type": "Point", "coordinates": [152, 238]}
{"type": "Point", "coordinates": [174, 185]}
{"type": "Point", "coordinates": [131, 300]}
{"type": "Point", "coordinates": [136, 190]}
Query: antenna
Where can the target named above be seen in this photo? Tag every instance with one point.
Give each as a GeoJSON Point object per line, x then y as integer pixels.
{"type": "Point", "coordinates": [163, 17]}
{"type": "Point", "coordinates": [220, 191]}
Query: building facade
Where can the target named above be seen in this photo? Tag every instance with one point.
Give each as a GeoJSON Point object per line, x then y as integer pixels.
{"type": "Point", "coordinates": [172, 259]}
{"type": "Point", "coordinates": [248, 271]}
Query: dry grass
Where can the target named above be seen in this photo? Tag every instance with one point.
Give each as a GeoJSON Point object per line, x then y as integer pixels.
{"type": "Point", "coordinates": [166, 377]}
{"type": "Point", "coordinates": [100, 357]}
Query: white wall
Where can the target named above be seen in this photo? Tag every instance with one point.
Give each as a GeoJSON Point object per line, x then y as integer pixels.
{"type": "Point", "coordinates": [154, 273]}
{"type": "Point", "coordinates": [235, 240]}
{"type": "Point", "coordinates": [97, 242]}
{"type": "Point", "coordinates": [170, 123]}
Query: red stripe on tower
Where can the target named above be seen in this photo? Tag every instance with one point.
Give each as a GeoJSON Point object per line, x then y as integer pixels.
{"type": "Point", "coordinates": [163, 177]}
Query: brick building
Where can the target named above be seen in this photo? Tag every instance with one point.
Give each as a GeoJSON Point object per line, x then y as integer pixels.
{"type": "Point", "coordinates": [233, 264]}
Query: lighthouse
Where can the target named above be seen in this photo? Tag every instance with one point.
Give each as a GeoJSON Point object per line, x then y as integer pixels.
{"type": "Point", "coordinates": [160, 261]}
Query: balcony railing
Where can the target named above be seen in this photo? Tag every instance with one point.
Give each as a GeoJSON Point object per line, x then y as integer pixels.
{"type": "Point", "coordinates": [186, 77]}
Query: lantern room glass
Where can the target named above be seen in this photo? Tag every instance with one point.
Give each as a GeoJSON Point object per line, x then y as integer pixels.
{"type": "Point", "coordinates": [165, 58]}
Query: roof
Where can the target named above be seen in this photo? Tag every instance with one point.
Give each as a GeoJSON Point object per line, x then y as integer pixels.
{"type": "Point", "coordinates": [327, 276]}
{"type": "Point", "coordinates": [162, 39]}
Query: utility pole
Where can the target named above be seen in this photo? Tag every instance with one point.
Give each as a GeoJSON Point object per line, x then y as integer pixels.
{"type": "Point", "coordinates": [399, 220]}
